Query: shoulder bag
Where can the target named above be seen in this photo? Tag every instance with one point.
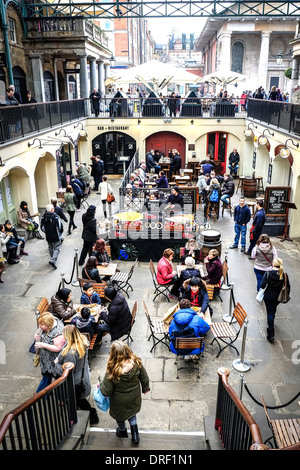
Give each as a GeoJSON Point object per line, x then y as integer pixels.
{"type": "Point", "coordinates": [110, 197]}
{"type": "Point", "coordinates": [284, 294]}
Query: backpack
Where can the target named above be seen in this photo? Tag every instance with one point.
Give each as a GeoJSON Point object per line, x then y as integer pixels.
{"type": "Point", "coordinates": [214, 197]}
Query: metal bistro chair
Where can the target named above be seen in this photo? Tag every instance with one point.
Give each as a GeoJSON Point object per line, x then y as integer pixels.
{"type": "Point", "coordinates": [225, 332]}
{"type": "Point", "coordinates": [286, 432]}
{"type": "Point", "coordinates": [182, 343]}
{"type": "Point", "coordinates": [159, 289]}
{"type": "Point", "coordinates": [120, 280]}
{"type": "Point", "coordinates": [133, 315]}
{"type": "Point", "coordinates": [158, 330]}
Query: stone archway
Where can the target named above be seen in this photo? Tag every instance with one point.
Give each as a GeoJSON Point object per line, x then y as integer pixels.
{"type": "Point", "coordinates": [165, 140]}
{"type": "Point", "coordinates": [46, 181]}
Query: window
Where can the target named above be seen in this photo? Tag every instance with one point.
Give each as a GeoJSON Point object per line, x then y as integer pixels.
{"type": "Point", "coordinates": [237, 57]}
{"type": "Point", "coordinates": [12, 30]}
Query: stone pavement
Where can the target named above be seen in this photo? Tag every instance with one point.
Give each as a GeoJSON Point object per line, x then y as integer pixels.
{"type": "Point", "coordinates": [176, 405]}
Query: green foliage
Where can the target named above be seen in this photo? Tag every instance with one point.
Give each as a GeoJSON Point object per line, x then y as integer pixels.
{"type": "Point", "coordinates": [288, 73]}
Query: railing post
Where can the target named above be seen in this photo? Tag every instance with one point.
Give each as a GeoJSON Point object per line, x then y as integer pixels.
{"type": "Point", "coordinates": [76, 282]}
{"type": "Point", "coordinates": [218, 419]}
{"type": "Point", "coordinates": [229, 317]}
{"type": "Point", "coordinates": [240, 364]}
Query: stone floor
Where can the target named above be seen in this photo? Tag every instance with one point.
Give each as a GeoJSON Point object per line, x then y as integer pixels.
{"type": "Point", "coordinates": [172, 404]}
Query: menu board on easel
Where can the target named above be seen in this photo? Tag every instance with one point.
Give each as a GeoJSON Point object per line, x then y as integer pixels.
{"type": "Point", "coordinates": [273, 200]}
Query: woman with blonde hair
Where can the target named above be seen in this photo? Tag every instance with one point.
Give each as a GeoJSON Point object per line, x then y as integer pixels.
{"type": "Point", "coordinates": [76, 351]}
{"type": "Point", "coordinates": [273, 281]}
{"type": "Point", "coordinates": [48, 342]}
{"type": "Point", "coordinates": [124, 380]}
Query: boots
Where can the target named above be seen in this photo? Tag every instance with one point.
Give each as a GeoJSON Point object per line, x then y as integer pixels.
{"type": "Point", "coordinates": [104, 214]}
{"type": "Point", "coordinates": [94, 419]}
{"type": "Point", "coordinates": [121, 433]}
{"type": "Point", "coordinates": [270, 335]}
{"type": "Point", "coordinates": [135, 434]}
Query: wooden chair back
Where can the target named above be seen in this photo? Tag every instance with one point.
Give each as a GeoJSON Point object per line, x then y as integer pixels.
{"type": "Point", "coordinates": [225, 270]}
{"type": "Point", "coordinates": [108, 249]}
{"type": "Point", "coordinates": [133, 313]}
{"type": "Point", "coordinates": [188, 343]}
{"type": "Point", "coordinates": [98, 287]}
{"type": "Point", "coordinates": [152, 270]}
{"type": "Point", "coordinates": [147, 314]}
{"type": "Point", "coordinates": [42, 307]}
{"type": "Point", "coordinates": [239, 314]}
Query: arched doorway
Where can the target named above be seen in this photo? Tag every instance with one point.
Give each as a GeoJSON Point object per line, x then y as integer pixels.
{"type": "Point", "coordinates": [163, 141]}
{"type": "Point", "coordinates": [20, 82]}
{"type": "Point", "coordinates": [49, 86]}
{"type": "Point", "coordinates": [217, 149]}
{"type": "Point", "coordinates": [112, 145]}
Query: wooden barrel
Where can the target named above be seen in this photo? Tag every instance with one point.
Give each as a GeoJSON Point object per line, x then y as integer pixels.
{"type": "Point", "coordinates": [249, 187]}
{"type": "Point", "coordinates": [210, 239]}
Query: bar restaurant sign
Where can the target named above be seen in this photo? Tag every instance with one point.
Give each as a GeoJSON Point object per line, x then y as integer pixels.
{"type": "Point", "coordinates": [113, 128]}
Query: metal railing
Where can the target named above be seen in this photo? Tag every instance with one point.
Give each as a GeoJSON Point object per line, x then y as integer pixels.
{"type": "Point", "coordinates": [43, 421]}
{"type": "Point", "coordinates": [236, 426]}
{"type": "Point", "coordinates": [279, 114]}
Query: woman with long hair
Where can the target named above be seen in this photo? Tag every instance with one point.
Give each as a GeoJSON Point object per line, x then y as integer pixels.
{"type": "Point", "coordinates": [26, 221]}
{"type": "Point", "coordinates": [48, 342]}
{"type": "Point", "coordinates": [90, 270]}
{"type": "Point", "coordinates": [99, 250]}
{"type": "Point", "coordinates": [273, 281]}
{"type": "Point", "coordinates": [70, 201]}
{"type": "Point", "coordinates": [263, 253]}
{"type": "Point", "coordinates": [124, 380]}
{"type": "Point", "coordinates": [76, 351]}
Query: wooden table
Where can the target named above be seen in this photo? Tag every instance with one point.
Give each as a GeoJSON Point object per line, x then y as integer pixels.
{"type": "Point", "coordinates": [200, 266]}
{"type": "Point", "coordinates": [109, 270]}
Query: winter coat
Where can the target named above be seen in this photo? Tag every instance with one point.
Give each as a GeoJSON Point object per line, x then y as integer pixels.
{"type": "Point", "coordinates": [93, 299]}
{"type": "Point", "coordinates": [83, 174]}
{"type": "Point", "coordinates": [77, 186]}
{"type": "Point", "coordinates": [4, 240]}
{"type": "Point", "coordinates": [72, 356]}
{"type": "Point", "coordinates": [259, 221]}
{"type": "Point", "coordinates": [214, 270]}
{"type": "Point", "coordinates": [102, 257]}
{"type": "Point", "coordinates": [202, 183]}
{"type": "Point", "coordinates": [188, 273]}
{"type": "Point", "coordinates": [125, 394]}
{"type": "Point", "coordinates": [164, 271]}
{"type": "Point", "coordinates": [85, 325]}
{"type": "Point", "coordinates": [234, 158]}
{"type": "Point", "coordinates": [274, 284]}
{"type": "Point", "coordinates": [104, 189]}
{"type": "Point", "coordinates": [70, 202]}
{"type": "Point", "coordinates": [59, 308]}
{"type": "Point", "coordinates": [47, 357]}
{"type": "Point", "coordinates": [162, 182]}
{"type": "Point", "coordinates": [263, 254]}
{"type": "Point", "coordinates": [203, 299]}
{"type": "Point", "coordinates": [89, 231]}
{"type": "Point", "coordinates": [118, 317]}
{"type": "Point", "coordinates": [183, 319]}
{"type": "Point", "coordinates": [176, 200]}
{"type": "Point", "coordinates": [59, 211]}
{"type": "Point", "coordinates": [242, 215]}
{"type": "Point", "coordinates": [228, 186]}
{"type": "Point", "coordinates": [52, 226]}
{"type": "Point", "coordinates": [23, 218]}
{"type": "Point", "coordinates": [91, 275]}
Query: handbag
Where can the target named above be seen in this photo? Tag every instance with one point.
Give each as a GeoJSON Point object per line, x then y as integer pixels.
{"type": "Point", "coordinates": [260, 295]}
{"type": "Point", "coordinates": [110, 197]}
{"type": "Point", "coordinates": [101, 401]}
{"type": "Point", "coordinates": [284, 294]}
{"type": "Point", "coordinates": [36, 359]}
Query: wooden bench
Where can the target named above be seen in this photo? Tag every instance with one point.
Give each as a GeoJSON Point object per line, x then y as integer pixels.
{"type": "Point", "coordinates": [92, 341]}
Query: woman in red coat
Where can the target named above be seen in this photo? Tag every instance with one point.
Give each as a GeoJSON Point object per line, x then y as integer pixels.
{"type": "Point", "coordinates": [166, 273]}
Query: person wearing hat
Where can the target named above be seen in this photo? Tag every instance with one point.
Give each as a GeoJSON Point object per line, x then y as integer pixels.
{"type": "Point", "coordinates": [190, 270]}
{"type": "Point", "coordinates": [118, 315]}
{"type": "Point", "coordinates": [175, 200]}
{"type": "Point", "coordinates": [195, 291]}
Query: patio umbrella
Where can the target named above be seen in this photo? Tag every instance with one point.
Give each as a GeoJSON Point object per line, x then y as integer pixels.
{"type": "Point", "coordinates": [222, 78]}
{"type": "Point", "coordinates": [158, 73]}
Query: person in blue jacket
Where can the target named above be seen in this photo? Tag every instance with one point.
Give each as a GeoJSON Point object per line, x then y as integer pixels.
{"type": "Point", "coordinates": [241, 218]}
{"type": "Point", "coordinates": [187, 319]}
{"type": "Point", "coordinates": [257, 225]}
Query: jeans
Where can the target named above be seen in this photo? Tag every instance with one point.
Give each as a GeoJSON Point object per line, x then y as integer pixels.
{"type": "Point", "coordinates": [240, 231]}
{"type": "Point", "coordinates": [271, 306]}
{"type": "Point", "coordinates": [71, 220]}
{"type": "Point", "coordinates": [259, 275]}
{"type": "Point", "coordinates": [233, 169]}
{"type": "Point", "coordinates": [54, 250]}
{"type": "Point", "coordinates": [46, 380]}
{"type": "Point", "coordinates": [225, 198]}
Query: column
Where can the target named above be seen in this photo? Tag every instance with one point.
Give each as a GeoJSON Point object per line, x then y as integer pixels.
{"type": "Point", "coordinates": [101, 85]}
{"type": "Point", "coordinates": [263, 60]}
{"type": "Point", "coordinates": [225, 55]}
{"type": "Point", "coordinates": [93, 78]}
{"type": "Point", "coordinates": [295, 75]}
{"type": "Point", "coordinates": [56, 81]}
{"type": "Point", "coordinates": [38, 79]}
{"type": "Point", "coordinates": [84, 89]}
{"type": "Point", "coordinates": [106, 70]}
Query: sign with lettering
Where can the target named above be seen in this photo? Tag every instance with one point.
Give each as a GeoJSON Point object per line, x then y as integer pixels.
{"type": "Point", "coordinates": [270, 169]}
{"type": "Point", "coordinates": [273, 200]}
{"type": "Point", "coordinates": [254, 160]}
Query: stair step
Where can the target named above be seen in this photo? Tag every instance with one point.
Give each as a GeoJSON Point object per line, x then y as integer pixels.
{"type": "Point", "coordinates": [106, 439]}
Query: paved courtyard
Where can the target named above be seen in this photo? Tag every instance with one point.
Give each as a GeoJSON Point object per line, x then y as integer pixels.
{"type": "Point", "coordinates": [172, 404]}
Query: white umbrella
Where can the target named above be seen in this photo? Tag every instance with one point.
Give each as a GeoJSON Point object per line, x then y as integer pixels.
{"type": "Point", "coordinates": [222, 78]}
{"type": "Point", "coordinates": [156, 72]}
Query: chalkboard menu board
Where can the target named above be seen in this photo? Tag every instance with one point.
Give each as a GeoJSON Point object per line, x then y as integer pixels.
{"type": "Point", "coordinates": [190, 196]}
{"type": "Point", "coordinates": [273, 200]}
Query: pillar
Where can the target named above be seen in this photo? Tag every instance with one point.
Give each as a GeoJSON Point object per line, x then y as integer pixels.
{"type": "Point", "coordinates": [38, 79]}
{"type": "Point", "coordinates": [84, 89]}
{"type": "Point", "coordinates": [101, 85]}
{"type": "Point", "coordinates": [263, 60]}
{"type": "Point", "coordinates": [93, 78]}
{"type": "Point", "coordinates": [295, 75]}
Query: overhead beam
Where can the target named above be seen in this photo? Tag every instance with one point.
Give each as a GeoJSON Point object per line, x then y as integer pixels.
{"type": "Point", "coordinates": [163, 9]}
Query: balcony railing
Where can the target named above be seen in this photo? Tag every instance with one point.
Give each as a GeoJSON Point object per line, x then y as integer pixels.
{"type": "Point", "coordinates": [285, 116]}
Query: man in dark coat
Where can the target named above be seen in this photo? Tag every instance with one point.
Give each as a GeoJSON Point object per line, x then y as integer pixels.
{"type": "Point", "coordinates": [89, 233]}
{"type": "Point", "coordinates": [118, 316]}
{"type": "Point", "coordinates": [227, 189]}
{"type": "Point", "coordinates": [52, 226]}
{"type": "Point", "coordinates": [241, 218]}
{"type": "Point", "coordinates": [95, 97]}
{"type": "Point", "coordinates": [233, 164]}
{"type": "Point", "coordinates": [98, 170]}
{"type": "Point", "coordinates": [257, 225]}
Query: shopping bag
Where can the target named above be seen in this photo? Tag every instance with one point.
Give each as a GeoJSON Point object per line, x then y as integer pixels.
{"type": "Point", "coordinates": [101, 401]}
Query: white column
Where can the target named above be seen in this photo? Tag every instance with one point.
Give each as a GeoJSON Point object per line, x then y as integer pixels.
{"type": "Point", "coordinates": [263, 60]}
{"type": "Point", "coordinates": [101, 85]}
{"type": "Point", "coordinates": [295, 75]}
{"type": "Point", "coordinates": [38, 79]}
{"type": "Point", "coordinates": [84, 90]}
{"type": "Point", "coordinates": [93, 78]}
{"type": "Point", "coordinates": [225, 56]}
